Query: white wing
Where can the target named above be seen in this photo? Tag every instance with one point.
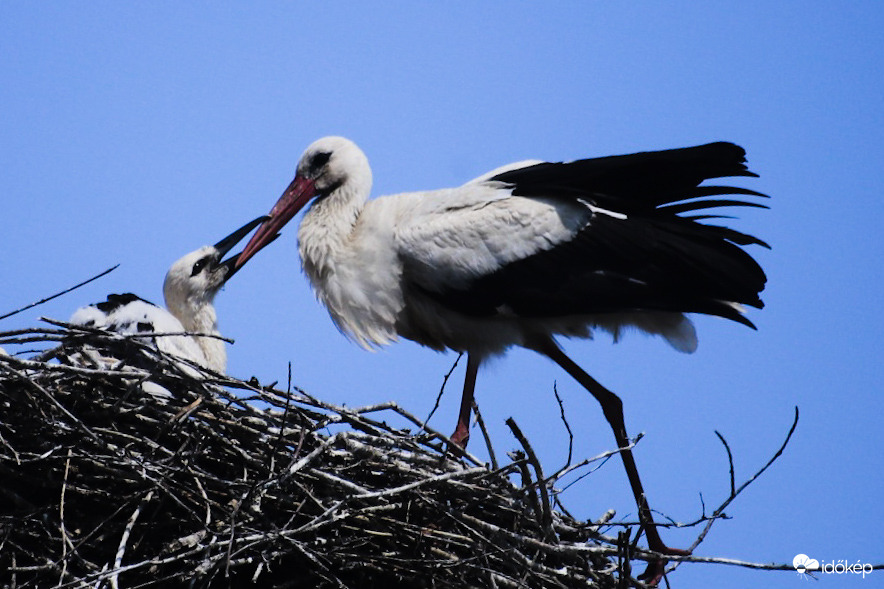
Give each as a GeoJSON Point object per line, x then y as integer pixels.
{"type": "Point", "coordinates": [451, 237]}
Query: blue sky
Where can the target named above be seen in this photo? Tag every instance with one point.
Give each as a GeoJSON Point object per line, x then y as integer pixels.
{"type": "Point", "coordinates": [135, 133]}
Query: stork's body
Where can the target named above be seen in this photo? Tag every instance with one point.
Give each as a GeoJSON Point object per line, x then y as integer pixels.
{"type": "Point", "coordinates": [523, 254]}
{"type": "Point", "coordinates": [423, 259]}
{"type": "Point", "coordinates": [188, 327]}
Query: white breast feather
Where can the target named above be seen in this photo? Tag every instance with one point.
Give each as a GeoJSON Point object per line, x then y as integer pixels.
{"type": "Point", "coordinates": [357, 281]}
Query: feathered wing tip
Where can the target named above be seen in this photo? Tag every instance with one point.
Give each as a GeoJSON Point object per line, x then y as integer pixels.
{"type": "Point", "coordinates": [636, 181]}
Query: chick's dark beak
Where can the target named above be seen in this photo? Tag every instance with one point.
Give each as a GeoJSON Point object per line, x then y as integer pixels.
{"type": "Point", "coordinates": [230, 265]}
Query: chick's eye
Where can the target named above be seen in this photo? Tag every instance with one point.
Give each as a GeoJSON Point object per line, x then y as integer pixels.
{"type": "Point", "coordinates": [198, 267]}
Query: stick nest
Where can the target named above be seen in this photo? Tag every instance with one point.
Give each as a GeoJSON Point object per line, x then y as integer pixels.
{"type": "Point", "coordinates": [149, 473]}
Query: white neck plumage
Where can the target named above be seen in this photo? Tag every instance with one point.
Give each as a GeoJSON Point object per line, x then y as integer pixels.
{"type": "Point", "coordinates": [325, 230]}
{"type": "Point", "coordinates": [200, 318]}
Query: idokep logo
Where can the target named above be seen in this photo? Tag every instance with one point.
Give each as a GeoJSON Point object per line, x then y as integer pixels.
{"type": "Point", "coordinates": [805, 565]}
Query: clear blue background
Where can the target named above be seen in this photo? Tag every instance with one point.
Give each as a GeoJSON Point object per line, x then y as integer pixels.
{"type": "Point", "coordinates": [134, 133]}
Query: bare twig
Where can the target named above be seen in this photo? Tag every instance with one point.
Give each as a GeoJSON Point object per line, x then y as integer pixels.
{"type": "Point", "coordinates": [719, 511]}
{"type": "Point", "coordinates": [56, 295]}
{"type": "Point", "coordinates": [488, 446]}
{"type": "Point", "coordinates": [567, 426]}
{"type": "Point", "coordinates": [545, 508]}
{"type": "Point", "coordinates": [730, 461]}
{"type": "Point", "coordinates": [65, 541]}
{"type": "Point", "coordinates": [441, 392]}
{"type": "Point", "coordinates": [124, 539]}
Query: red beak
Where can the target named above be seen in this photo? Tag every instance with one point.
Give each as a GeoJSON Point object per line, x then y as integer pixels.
{"type": "Point", "coordinates": [295, 197]}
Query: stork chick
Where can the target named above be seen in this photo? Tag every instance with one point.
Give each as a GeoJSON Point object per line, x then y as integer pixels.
{"type": "Point", "coordinates": [189, 290]}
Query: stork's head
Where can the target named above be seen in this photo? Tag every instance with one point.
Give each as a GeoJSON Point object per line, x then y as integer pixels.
{"type": "Point", "coordinates": [193, 281]}
{"type": "Point", "coordinates": [332, 162]}
{"type": "Point", "coordinates": [331, 167]}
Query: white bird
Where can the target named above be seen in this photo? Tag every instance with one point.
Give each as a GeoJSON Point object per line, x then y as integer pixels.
{"type": "Point", "coordinates": [523, 254]}
{"type": "Point", "coordinates": [189, 290]}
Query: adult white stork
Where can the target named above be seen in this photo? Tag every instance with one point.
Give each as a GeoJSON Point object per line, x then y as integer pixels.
{"type": "Point", "coordinates": [189, 290]}
{"type": "Point", "coordinates": [523, 254]}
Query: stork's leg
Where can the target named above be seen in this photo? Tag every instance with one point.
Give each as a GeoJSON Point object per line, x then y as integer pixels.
{"type": "Point", "coordinates": [461, 433]}
{"type": "Point", "coordinates": [612, 406]}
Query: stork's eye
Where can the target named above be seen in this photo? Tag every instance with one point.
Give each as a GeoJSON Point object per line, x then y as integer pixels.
{"type": "Point", "coordinates": [319, 160]}
{"type": "Point", "coordinates": [200, 264]}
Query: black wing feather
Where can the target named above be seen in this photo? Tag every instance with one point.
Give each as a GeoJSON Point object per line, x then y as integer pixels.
{"type": "Point", "coordinates": [117, 301]}
{"type": "Point", "coordinates": [654, 259]}
{"type": "Point", "coordinates": [683, 207]}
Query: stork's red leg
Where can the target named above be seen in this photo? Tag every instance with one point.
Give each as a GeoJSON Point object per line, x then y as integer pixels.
{"type": "Point", "coordinates": [461, 433]}
{"type": "Point", "coordinates": [612, 407]}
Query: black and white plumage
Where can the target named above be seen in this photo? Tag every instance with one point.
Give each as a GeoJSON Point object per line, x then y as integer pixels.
{"type": "Point", "coordinates": [189, 291]}
{"type": "Point", "coordinates": [523, 254]}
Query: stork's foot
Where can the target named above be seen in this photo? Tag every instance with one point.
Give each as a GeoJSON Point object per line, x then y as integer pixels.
{"type": "Point", "coordinates": [654, 573]}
